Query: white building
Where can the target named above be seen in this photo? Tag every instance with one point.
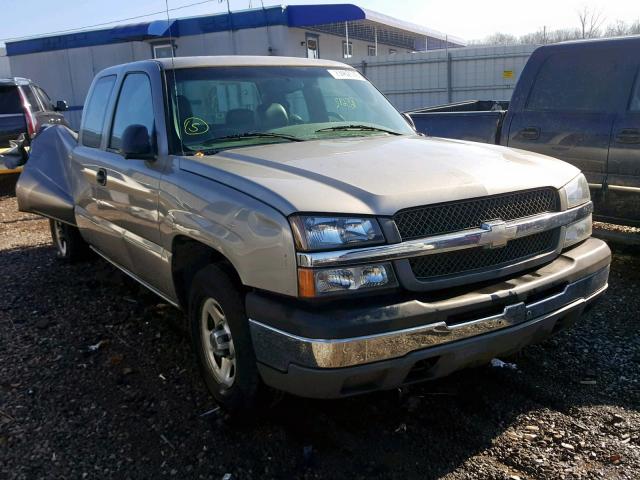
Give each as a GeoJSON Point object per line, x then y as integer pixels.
{"type": "Point", "coordinates": [64, 65]}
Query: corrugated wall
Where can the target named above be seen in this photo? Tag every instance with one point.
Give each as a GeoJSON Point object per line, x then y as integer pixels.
{"type": "Point", "coordinates": [5, 70]}
{"type": "Point", "coordinates": [426, 79]}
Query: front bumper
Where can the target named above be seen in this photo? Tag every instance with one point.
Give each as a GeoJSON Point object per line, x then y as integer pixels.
{"type": "Point", "coordinates": [307, 353]}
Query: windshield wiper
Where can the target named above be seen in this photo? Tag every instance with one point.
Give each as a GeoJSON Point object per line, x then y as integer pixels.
{"type": "Point", "coordinates": [241, 136]}
{"type": "Point", "coordinates": [366, 128]}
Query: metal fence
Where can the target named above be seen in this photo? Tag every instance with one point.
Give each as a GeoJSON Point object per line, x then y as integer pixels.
{"type": "Point", "coordinates": [425, 79]}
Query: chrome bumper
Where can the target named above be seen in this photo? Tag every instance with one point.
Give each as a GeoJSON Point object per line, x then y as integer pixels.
{"type": "Point", "coordinates": [278, 349]}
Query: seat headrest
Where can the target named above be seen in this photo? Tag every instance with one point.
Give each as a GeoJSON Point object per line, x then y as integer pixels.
{"type": "Point", "coordinates": [274, 116]}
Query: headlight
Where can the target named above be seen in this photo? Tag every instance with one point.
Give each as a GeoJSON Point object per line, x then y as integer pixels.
{"type": "Point", "coordinates": [577, 231]}
{"type": "Point", "coordinates": [325, 233]}
{"type": "Point", "coordinates": [577, 191]}
{"type": "Point", "coordinates": [316, 283]}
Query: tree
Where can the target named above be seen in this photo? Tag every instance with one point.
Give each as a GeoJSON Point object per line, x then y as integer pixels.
{"type": "Point", "coordinates": [590, 22]}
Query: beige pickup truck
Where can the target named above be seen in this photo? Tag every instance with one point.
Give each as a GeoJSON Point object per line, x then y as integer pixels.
{"type": "Point", "coordinates": [317, 243]}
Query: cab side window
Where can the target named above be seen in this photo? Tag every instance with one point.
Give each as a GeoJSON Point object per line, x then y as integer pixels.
{"type": "Point", "coordinates": [135, 107]}
{"type": "Point", "coordinates": [95, 112]}
{"type": "Point", "coordinates": [572, 82]}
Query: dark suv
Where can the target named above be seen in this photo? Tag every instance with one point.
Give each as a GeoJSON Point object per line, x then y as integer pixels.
{"type": "Point", "coordinates": [24, 107]}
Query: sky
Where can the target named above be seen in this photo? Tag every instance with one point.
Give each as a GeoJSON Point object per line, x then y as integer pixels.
{"type": "Point", "coordinates": [468, 19]}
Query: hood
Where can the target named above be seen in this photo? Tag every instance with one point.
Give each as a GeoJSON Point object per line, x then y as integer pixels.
{"type": "Point", "coordinates": [377, 175]}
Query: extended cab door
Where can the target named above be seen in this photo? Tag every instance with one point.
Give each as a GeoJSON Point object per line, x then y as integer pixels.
{"type": "Point", "coordinates": [622, 197]}
{"type": "Point", "coordinates": [128, 196]}
{"type": "Point", "coordinates": [571, 106]}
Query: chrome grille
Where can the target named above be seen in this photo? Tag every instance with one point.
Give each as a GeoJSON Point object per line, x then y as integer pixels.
{"type": "Point", "coordinates": [437, 219]}
{"type": "Point", "coordinates": [431, 267]}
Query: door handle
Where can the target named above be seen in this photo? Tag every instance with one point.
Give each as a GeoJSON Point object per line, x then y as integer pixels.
{"type": "Point", "coordinates": [628, 135]}
{"type": "Point", "coordinates": [530, 133]}
{"type": "Point", "coordinates": [101, 176]}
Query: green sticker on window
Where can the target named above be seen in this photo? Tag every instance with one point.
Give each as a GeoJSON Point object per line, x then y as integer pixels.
{"type": "Point", "coordinates": [195, 126]}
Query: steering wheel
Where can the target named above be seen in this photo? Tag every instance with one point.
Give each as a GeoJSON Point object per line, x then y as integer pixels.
{"type": "Point", "coordinates": [337, 116]}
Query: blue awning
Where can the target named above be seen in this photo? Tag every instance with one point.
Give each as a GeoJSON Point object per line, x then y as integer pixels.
{"type": "Point", "coordinates": [309, 15]}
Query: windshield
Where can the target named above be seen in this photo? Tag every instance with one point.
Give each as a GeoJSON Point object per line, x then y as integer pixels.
{"type": "Point", "coordinates": [229, 107]}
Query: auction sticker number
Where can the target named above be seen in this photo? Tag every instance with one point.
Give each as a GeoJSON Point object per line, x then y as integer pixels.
{"type": "Point", "coordinates": [346, 102]}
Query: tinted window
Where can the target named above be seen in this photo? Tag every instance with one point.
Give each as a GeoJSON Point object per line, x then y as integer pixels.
{"type": "Point", "coordinates": [577, 81]}
{"type": "Point", "coordinates": [31, 98]}
{"type": "Point", "coordinates": [134, 107]}
{"type": "Point", "coordinates": [95, 111]}
{"type": "Point", "coordinates": [10, 100]}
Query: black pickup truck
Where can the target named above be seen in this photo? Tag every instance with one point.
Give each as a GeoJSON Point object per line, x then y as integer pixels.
{"type": "Point", "coordinates": [577, 101]}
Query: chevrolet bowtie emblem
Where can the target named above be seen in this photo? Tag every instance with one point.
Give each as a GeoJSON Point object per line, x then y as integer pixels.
{"type": "Point", "coordinates": [497, 234]}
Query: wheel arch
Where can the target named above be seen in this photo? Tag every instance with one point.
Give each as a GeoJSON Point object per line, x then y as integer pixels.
{"type": "Point", "coordinates": [189, 256]}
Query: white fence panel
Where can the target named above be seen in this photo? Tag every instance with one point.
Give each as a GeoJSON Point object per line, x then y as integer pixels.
{"type": "Point", "coordinates": [426, 79]}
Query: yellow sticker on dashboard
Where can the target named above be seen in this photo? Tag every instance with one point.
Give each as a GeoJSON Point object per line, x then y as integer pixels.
{"type": "Point", "coordinates": [195, 126]}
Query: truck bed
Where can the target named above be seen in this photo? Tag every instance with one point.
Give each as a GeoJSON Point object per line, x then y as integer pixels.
{"type": "Point", "coordinates": [476, 120]}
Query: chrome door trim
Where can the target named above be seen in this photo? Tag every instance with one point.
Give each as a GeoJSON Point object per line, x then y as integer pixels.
{"type": "Point", "coordinates": [490, 234]}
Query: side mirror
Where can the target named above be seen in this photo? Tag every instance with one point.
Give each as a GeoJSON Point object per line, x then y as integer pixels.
{"type": "Point", "coordinates": [409, 120]}
{"type": "Point", "coordinates": [136, 144]}
{"type": "Point", "coordinates": [61, 106]}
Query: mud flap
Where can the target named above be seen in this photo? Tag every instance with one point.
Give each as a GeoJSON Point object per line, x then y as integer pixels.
{"type": "Point", "coordinates": [45, 187]}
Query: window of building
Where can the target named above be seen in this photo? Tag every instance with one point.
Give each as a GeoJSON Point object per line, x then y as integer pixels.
{"type": "Point", "coordinates": [576, 82]}
{"type": "Point", "coordinates": [95, 111]}
{"type": "Point", "coordinates": [164, 50]}
{"type": "Point", "coordinates": [135, 107]}
{"type": "Point", "coordinates": [347, 49]}
{"type": "Point", "coordinates": [371, 50]}
{"type": "Point", "coordinates": [312, 45]}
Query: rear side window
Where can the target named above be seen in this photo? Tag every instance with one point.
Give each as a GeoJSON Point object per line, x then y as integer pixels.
{"type": "Point", "coordinates": [31, 98]}
{"type": "Point", "coordinates": [577, 81]}
{"type": "Point", "coordinates": [44, 98]}
{"type": "Point", "coordinates": [10, 100]}
{"type": "Point", "coordinates": [95, 112]}
{"type": "Point", "coordinates": [135, 107]}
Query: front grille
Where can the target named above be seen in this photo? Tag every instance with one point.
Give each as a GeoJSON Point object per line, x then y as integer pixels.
{"type": "Point", "coordinates": [430, 267]}
{"type": "Point", "coordinates": [437, 219]}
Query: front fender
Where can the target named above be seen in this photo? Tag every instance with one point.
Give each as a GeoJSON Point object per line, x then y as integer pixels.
{"type": "Point", "coordinates": [254, 237]}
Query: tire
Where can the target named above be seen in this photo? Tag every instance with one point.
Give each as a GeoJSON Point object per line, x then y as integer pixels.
{"type": "Point", "coordinates": [70, 246]}
{"type": "Point", "coordinates": [222, 343]}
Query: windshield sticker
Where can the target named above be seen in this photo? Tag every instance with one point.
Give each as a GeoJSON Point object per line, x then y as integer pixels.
{"type": "Point", "coordinates": [346, 75]}
{"type": "Point", "coordinates": [195, 126]}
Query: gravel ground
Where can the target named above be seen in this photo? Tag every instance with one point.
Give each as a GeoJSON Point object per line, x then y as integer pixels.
{"type": "Point", "coordinates": [133, 406]}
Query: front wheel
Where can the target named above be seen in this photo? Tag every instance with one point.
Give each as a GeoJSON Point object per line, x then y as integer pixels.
{"type": "Point", "coordinates": [222, 342]}
{"type": "Point", "coordinates": [70, 246]}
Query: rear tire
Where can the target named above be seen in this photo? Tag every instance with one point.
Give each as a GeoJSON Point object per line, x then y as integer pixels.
{"type": "Point", "coordinates": [222, 343]}
{"type": "Point", "coordinates": [70, 246]}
